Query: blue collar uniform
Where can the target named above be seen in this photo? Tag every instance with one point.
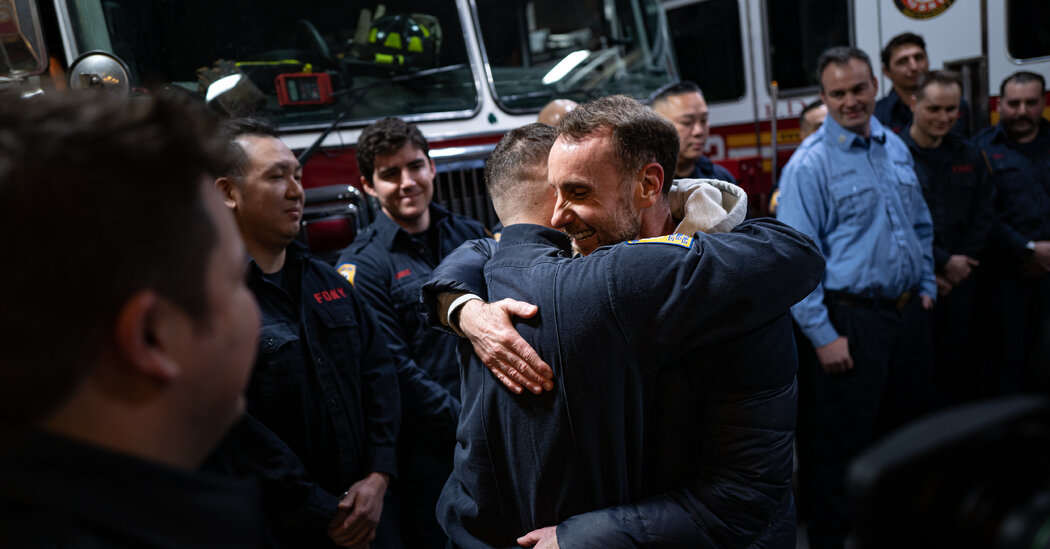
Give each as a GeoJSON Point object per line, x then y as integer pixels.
{"type": "Point", "coordinates": [860, 200]}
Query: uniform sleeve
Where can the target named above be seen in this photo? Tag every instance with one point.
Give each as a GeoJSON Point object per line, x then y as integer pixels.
{"type": "Point", "coordinates": [462, 271]}
{"type": "Point", "coordinates": [421, 395]}
{"type": "Point", "coordinates": [923, 227]}
{"type": "Point", "coordinates": [982, 209]}
{"type": "Point", "coordinates": [804, 206]}
{"type": "Point", "coordinates": [722, 286]}
{"type": "Point", "coordinates": [382, 395]}
{"type": "Point", "coordinates": [251, 450]}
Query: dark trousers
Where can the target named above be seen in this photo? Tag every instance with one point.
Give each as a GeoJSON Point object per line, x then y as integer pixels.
{"type": "Point", "coordinates": [891, 383]}
{"type": "Point", "coordinates": [956, 344]}
{"type": "Point", "coordinates": [1017, 345]}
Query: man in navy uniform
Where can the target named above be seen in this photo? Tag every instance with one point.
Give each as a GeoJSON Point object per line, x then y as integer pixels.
{"type": "Point", "coordinates": [324, 387]}
{"type": "Point", "coordinates": [683, 104]}
{"type": "Point", "coordinates": [1018, 254]}
{"type": "Point", "coordinates": [904, 60]}
{"type": "Point", "coordinates": [387, 263]}
{"type": "Point", "coordinates": [580, 449]}
{"type": "Point", "coordinates": [961, 198]}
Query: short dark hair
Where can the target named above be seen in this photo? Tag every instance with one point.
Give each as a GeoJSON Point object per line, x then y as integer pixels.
{"type": "Point", "coordinates": [812, 105]}
{"type": "Point", "coordinates": [640, 134]}
{"type": "Point", "coordinates": [520, 150]}
{"type": "Point", "coordinates": [902, 39]}
{"type": "Point", "coordinates": [674, 88]}
{"type": "Point", "coordinates": [100, 198]}
{"type": "Point", "coordinates": [236, 127]}
{"type": "Point", "coordinates": [386, 137]}
{"type": "Point", "coordinates": [840, 55]}
{"type": "Point", "coordinates": [942, 77]}
{"type": "Point", "coordinates": [1023, 77]}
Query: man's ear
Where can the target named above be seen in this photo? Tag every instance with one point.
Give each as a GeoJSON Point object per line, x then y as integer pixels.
{"type": "Point", "coordinates": [228, 188]}
{"type": "Point", "coordinates": [371, 190]}
{"type": "Point", "coordinates": [146, 331]}
{"type": "Point", "coordinates": [650, 185]}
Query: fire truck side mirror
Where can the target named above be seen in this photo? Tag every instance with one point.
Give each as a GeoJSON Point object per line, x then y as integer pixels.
{"type": "Point", "coordinates": [99, 69]}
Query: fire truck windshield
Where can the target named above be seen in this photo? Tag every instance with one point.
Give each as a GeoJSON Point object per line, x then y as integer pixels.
{"type": "Point", "coordinates": [540, 50]}
{"type": "Point", "coordinates": [300, 63]}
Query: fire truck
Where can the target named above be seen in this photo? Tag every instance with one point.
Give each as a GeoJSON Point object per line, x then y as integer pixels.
{"type": "Point", "coordinates": [465, 71]}
{"type": "Point", "coordinates": [756, 61]}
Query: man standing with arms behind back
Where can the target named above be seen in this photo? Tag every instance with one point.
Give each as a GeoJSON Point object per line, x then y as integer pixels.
{"type": "Point", "coordinates": [852, 188]}
{"type": "Point", "coordinates": [1018, 254]}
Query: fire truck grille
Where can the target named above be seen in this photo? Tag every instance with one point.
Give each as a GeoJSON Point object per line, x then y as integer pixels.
{"type": "Point", "coordinates": [460, 187]}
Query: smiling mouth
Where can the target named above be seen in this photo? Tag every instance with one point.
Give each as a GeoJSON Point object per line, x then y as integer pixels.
{"type": "Point", "coordinates": [582, 235]}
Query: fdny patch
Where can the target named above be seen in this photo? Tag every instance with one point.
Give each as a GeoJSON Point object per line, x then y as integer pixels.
{"type": "Point", "coordinates": [348, 270]}
{"type": "Point", "coordinates": [676, 239]}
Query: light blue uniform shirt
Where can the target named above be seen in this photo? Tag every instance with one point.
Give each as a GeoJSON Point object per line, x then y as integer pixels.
{"type": "Point", "coordinates": [860, 200]}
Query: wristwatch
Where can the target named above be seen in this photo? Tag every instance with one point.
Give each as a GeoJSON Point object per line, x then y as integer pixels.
{"type": "Point", "coordinates": [1029, 249]}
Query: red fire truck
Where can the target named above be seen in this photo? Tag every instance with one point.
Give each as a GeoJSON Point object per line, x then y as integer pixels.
{"type": "Point", "coordinates": [465, 71]}
{"type": "Point", "coordinates": [737, 49]}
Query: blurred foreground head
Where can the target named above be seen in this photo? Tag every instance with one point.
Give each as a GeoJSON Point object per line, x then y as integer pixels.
{"type": "Point", "coordinates": [125, 315]}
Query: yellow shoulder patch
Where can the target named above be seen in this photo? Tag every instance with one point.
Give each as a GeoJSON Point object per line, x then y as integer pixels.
{"type": "Point", "coordinates": [682, 240]}
{"type": "Point", "coordinates": [348, 270]}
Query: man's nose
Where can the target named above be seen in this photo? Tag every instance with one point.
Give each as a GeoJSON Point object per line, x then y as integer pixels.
{"type": "Point", "coordinates": [295, 188]}
{"type": "Point", "coordinates": [563, 214]}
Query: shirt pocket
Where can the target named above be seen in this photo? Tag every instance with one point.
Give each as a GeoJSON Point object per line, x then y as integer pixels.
{"type": "Point", "coordinates": [908, 188]}
{"type": "Point", "coordinates": [341, 336]}
{"type": "Point", "coordinates": [277, 369]}
{"type": "Point", "coordinates": [854, 201]}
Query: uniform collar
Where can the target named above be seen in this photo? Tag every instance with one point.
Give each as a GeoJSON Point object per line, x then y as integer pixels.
{"type": "Point", "coordinates": [294, 253]}
{"type": "Point", "coordinates": [387, 231]}
{"type": "Point", "coordinates": [527, 233]}
{"type": "Point", "coordinates": [999, 133]}
{"type": "Point", "coordinates": [846, 139]}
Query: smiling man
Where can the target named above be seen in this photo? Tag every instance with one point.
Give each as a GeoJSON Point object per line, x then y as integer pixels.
{"type": "Point", "coordinates": [961, 199]}
{"type": "Point", "coordinates": [1018, 151]}
{"type": "Point", "coordinates": [852, 188]}
{"type": "Point", "coordinates": [324, 386]}
{"type": "Point", "coordinates": [904, 61]}
{"type": "Point", "coordinates": [387, 263]}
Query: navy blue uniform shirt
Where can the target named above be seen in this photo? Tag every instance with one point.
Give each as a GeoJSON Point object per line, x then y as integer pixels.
{"type": "Point", "coordinates": [387, 267]}
{"type": "Point", "coordinates": [608, 324]}
{"type": "Point", "coordinates": [1022, 178]}
{"type": "Point", "coordinates": [324, 390]}
{"type": "Point", "coordinates": [959, 194]}
{"type": "Point", "coordinates": [706, 169]}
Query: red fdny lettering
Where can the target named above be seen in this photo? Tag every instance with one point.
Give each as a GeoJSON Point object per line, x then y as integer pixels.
{"type": "Point", "coordinates": [330, 295]}
{"type": "Point", "coordinates": [962, 168]}
{"type": "Point", "coordinates": [403, 274]}
{"type": "Point", "coordinates": [998, 156]}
